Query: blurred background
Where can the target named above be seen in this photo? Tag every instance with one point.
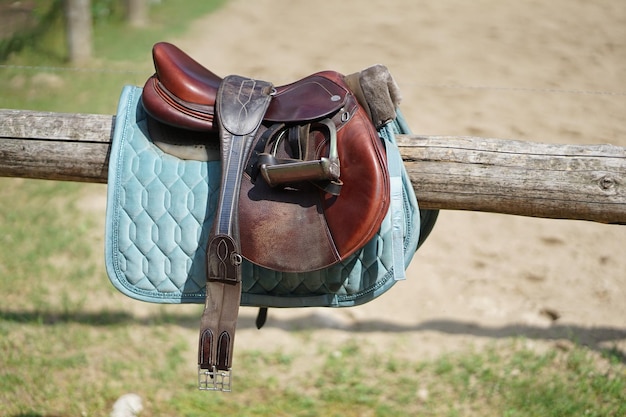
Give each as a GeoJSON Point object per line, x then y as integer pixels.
{"type": "Point", "coordinates": [500, 315]}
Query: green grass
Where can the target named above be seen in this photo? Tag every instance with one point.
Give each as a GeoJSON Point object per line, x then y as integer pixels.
{"type": "Point", "coordinates": [70, 345]}
{"type": "Point", "coordinates": [97, 364]}
{"type": "Point", "coordinates": [46, 235]}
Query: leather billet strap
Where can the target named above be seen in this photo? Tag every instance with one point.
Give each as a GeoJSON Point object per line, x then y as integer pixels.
{"type": "Point", "coordinates": [241, 104]}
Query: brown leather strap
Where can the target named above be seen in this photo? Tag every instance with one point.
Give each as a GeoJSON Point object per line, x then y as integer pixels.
{"type": "Point", "coordinates": [240, 106]}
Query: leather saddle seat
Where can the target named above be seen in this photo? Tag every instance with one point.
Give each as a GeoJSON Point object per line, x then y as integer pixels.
{"type": "Point", "coordinates": [182, 93]}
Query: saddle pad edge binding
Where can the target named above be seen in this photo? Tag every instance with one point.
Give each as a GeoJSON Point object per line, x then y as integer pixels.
{"type": "Point", "coordinates": [111, 246]}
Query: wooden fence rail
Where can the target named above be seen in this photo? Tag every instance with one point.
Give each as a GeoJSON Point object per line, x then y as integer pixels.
{"type": "Point", "coordinates": [457, 173]}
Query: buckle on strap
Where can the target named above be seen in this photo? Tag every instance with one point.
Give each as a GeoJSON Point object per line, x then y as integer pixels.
{"type": "Point", "coordinates": [214, 379]}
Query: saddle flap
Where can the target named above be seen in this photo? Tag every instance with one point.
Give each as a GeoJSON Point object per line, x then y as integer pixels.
{"type": "Point", "coordinates": [311, 98]}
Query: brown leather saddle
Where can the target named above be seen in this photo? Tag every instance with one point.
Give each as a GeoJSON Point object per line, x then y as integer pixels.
{"type": "Point", "coordinates": [304, 178]}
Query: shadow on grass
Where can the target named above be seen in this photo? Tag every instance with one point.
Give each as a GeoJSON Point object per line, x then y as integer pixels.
{"type": "Point", "coordinates": [592, 337]}
{"type": "Point", "coordinates": [98, 319]}
{"type": "Point", "coordinates": [50, 318]}
{"type": "Point", "coordinates": [34, 415]}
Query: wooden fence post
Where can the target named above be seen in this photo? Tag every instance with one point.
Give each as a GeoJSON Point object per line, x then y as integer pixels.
{"type": "Point", "coordinates": [78, 28]}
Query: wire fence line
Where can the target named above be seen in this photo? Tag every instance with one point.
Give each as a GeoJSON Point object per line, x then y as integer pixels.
{"type": "Point", "coordinates": [448, 86]}
{"type": "Point", "coordinates": [70, 69]}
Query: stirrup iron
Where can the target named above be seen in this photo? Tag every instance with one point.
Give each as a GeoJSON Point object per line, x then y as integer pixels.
{"type": "Point", "coordinates": [277, 171]}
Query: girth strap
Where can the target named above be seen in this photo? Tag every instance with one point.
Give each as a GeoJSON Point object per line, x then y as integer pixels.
{"type": "Point", "coordinates": [241, 104]}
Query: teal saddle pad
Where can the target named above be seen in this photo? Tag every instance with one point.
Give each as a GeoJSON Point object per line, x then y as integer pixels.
{"type": "Point", "coordinates": [160, 210]}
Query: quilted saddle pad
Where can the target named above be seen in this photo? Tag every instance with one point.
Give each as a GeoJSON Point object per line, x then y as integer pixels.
{"type": "Point", "coordinates": [160, 211]}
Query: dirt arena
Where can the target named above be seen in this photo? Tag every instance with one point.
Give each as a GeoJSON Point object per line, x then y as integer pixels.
{"type": "Point", "coordinates": [528, 70]}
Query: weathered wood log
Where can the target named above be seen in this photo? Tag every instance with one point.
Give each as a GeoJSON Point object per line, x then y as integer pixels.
{"type": "Point", "coordinates": [514, 177]}
{"type": "Point", "coordinates": [457, 173]}
{"type": "Point", "coordinates": [55, 146]}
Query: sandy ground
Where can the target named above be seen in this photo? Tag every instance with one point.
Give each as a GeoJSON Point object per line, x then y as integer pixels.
{"type": "Point", "coordinates": [485, 68]}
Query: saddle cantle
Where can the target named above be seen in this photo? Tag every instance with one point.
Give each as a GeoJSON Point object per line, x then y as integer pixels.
{"type": "Point", "coordinates": [182, 92]}
{"type": "Point", "coordinates": [299, 227]}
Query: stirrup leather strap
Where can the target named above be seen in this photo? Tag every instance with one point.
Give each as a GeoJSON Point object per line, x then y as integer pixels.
{"type": "Point", "coordinates": [241, 104]}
